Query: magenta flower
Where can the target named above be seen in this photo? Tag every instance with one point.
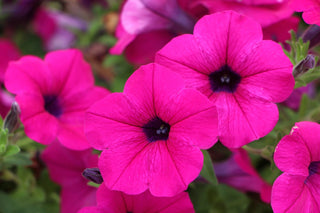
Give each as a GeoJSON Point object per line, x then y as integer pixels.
{"type": "Point", "coordinates": [239, 173]}
{"type": "Point", "coordinates": [239, 72]}
{"type": "Point", "coordinates": [266, 12]}
{"type": "Point", "coordinates": [151, 133]}
{"type": "Point", "coordinates": [54, 93]}
{"type": "Point", "coordinates": [118, 202]}
{"type": "Point", "coordinates": [310, 9]}
{"type": "Point", "coordinates": [65, 167]}
{"type": "Point", "coordinates": [139, 37]}
{"type": "Point", "coordinates": [298, 156]}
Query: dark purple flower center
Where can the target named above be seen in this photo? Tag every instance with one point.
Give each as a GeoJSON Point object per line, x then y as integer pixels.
{"type": "Point", "coordinates": [156, 129]}
{"type": "Point", "coordinates": [52, 105]}
{"type": "Point", "coordinates": [224, 80]}
{"type": "Point", "coordinates": [314, 168]}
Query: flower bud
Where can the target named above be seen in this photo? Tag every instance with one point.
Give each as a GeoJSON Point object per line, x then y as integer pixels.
{"type": "Point", "coordinates": [93, 174]}
{"type": "Point", "coordinates": [312, 34]}
{"type": "Point", "coordinates": [11, 121]}
{"type": "Point", "coordinates": [304, 65]}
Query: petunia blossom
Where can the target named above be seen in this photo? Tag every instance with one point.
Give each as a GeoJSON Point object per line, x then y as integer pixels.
{"type": "Point", "coordinates": [310, 9]}
{"type": "Point", "coordinates": [239, 173]}
{"type": "Point", "coordinates": [151, 134]}
{"type": "Point", "coordinates": [119, 202]}
{"type": "Point", "coordinates": [53, 95]}
{"type": "Point", "coordinates": [139, 42]}
{"type": "Point", "coordinates": [239, 72]}
{"type": "Point", "coordinates": [266, 12]}
{"type": "Point", "coordinates": [298, 156]}
{"type": "Point", "coordinates": [139, 37]}
{"type": "Point", "coordinates": [65, 167]}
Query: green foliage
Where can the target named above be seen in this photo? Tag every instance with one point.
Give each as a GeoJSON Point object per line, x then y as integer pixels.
{"type": "Point", "coordinates": [207, 171]}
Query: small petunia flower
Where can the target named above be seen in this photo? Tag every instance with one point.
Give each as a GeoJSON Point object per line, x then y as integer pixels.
{"type": "Point", "coordinates": [152, 133]}
{"type": "Point", "coordinates": [53, 95]}
{"type": "Point", "coordinates": [298, 156]}
{"type": "Point", "coordinates": [239, 173]}
{"type": "Point", "coordinates": [119, 202]}
{"type": "Point", "coordinates": [310, 9]}
{"type": "Point", "coordinates": [239, 72]}
{"type": "Point", "coordinates": [65, 168]}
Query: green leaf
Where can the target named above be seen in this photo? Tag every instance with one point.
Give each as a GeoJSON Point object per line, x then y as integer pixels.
{"type": "Point", "coordinates": [4, 136]}
{"type": "Point", "coordinates": [19, 159]}
{"type": "Point", "coordinates": [11, 150]}
{"type": "Point", "coordinates": [93, 184]}
{"type": "Point", "coordinates": [207, 171]}
{"type": "Point", "coordinates": [2, 148]}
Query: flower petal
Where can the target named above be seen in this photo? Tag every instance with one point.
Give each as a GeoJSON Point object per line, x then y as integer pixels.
{"type": "Point", "coordinates": [72, 74]}
{"type": "Point", "coordinates": [114, 112]}
{"type": "Point", "coordinates": [241, 115]}
{"type": "Point", "coordinates": [290, 194]}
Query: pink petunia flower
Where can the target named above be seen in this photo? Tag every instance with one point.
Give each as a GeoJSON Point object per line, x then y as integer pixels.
{"type": "Point", "coordinates": [9, 52]}
{"type": "Point", "coordinates": [266, 12]}
{"type": "Point", "coordinates": [239, 173]}
{"type": "Point", "coordinates": [298, 156]}
{"type": "Point", "coordinates": [239, 72]}
{"type": "Point", "coordinates": [310, 9]}
{"type": "Point", "coordinates": [65, 167]}
{"type": "Point", "coordinates": [139, 42]}
{"type": "Point", "coordinates": [139, 37]}
{"type": "Point", "coordinates": [151, 134]}
{"type": "Point", "coordinates": [119, 202]}
{"type": "Point", "coordinates": [53, 95]}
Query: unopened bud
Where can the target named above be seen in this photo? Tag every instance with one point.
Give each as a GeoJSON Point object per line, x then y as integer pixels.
{"type": "Point", "coordinates": [312, 34]}
{"type": "Point", "coordinates": [11, 121]}
{"type": "Point", "coordinates": [93, 174]}
{"type": "Point", "coordinates": [304, 65]}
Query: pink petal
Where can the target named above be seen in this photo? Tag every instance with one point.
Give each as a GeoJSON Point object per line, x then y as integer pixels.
{"type": "Point", "coordinates": [72, 74]}
{"type": "Point", "coordinates": [261, 72]}
{"type": "Point", "coordinates": [91, 209]}
{"type": "Point", "coordinates": [10, 53]}
{"type": "Point", "coordinates": [34, 118]}
{"type": "Point", "coordinates": [183, 56]}
{"type": "Point", "coordinates": [290, 194]}
{"type": "Point", "coordinates": [126, 166]}
{"type": "Point", "coordinates": [65, 167]}
{"type": "Point", "coordinates": [176, 165]}
{"type": "Point", "coordinates": [308, 133]}
{"type": "Point", "coordinates": [263, 14]}
{"type": "Point", "coordinates": [154, 94]}
{"type": "Point", "coordinates": [291, 155]}
{"type": "Point", "coordinates": [240, 116]}
{"type": "Point", "coordinates": [279, 31]}
{"type": "Point", "coordinates": [143, 48]}
{"type": "Point", "coordinates": [232, 33]}
{"type": "Point", "coordinates": [137, 18]}
{"type": "Point", "coordinates": [198, 123]}
{"type": "Point", "coordinates": [114, 112]}
{"type": "Point", "coordinates": [145, 202]}
{"type": "Point", "coordinates": [72, 136]}
{"type": "Point", "coordinates": [19, 78]}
